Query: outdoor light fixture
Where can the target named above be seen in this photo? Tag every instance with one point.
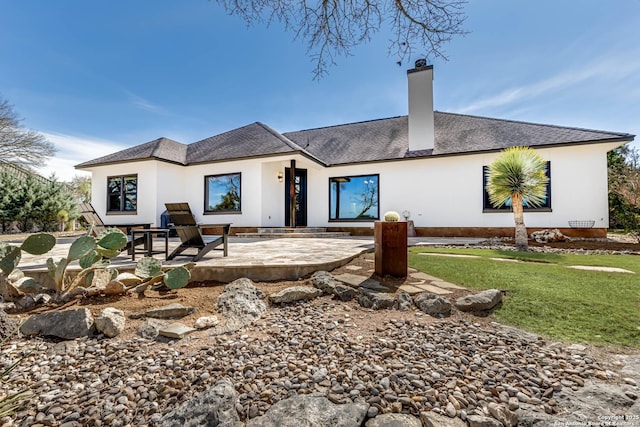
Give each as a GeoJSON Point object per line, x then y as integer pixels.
{"type": "Point", "coordinates": [280, 177]}
{"type": "Point", "coordinates": [406, 214]}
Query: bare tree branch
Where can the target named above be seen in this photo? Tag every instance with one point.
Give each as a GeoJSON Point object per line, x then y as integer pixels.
{"type": "Point", "coordinates": [333, 28]}
{"type": "Point", "coordinates": [18, 145]}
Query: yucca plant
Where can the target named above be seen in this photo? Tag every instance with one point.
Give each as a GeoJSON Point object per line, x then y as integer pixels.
{"type": "Point", "coordinates": [518, 175]}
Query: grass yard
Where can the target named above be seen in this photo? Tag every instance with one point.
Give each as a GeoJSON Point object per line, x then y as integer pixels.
{"type": "Point", "coordinates": [546, 297]}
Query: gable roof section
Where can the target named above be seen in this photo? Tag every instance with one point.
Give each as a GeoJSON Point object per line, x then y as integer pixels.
{"type": "Point", "coordinates": [254, 140]}
{"type": "Point", "coordinates": [164, 149]}
{"type": "Point", "coordinates": [459, 134]}
{"type": "Point", "coordinates": [356, 142]}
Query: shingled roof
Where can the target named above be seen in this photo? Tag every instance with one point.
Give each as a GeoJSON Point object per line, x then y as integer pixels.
{"type": "Point", "coordinates": [370, 141]}
{"type": "Point", "coordinates": [164, 149]}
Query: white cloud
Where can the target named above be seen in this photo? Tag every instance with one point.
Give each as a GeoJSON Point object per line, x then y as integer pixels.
{"type": "Point", "coordinates": [72, 150]}
{"type": "Point", "coordinates": [610, 69]}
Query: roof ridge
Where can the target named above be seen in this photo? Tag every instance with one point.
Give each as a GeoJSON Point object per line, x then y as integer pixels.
{"type": "Point", "coordinates": [346, 124]}
{"type": "Point", "coordinates": [290, 143]}
{"type": "Point", "coordinates": [621, 134]}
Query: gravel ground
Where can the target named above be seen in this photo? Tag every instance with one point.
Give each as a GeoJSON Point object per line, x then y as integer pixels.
{"type": "Point", "coordinates": [396, 361]}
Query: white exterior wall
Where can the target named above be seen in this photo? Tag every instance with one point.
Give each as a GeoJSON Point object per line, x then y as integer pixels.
{"type": "Point", "coordinates": [439, 191]}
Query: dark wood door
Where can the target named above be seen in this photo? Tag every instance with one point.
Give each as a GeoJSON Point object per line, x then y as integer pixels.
{"type": "Point", "coordinates": [300, 197]}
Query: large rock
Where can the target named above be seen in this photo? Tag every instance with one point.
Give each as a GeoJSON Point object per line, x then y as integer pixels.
{"type": "Point", "coordinates": [375, 300]}
{"type": "Point", "coordinates": [394, 420]}
{"type": "Point", "coordinates": [211, 408]}
{"type": "Point", "coordinates": [324, 281]}
{"type": "Point", "coordinates": [110, 322]}
{"type": "Point", "coordinates": [67, 324]}
{"type": "Point", "coordinates": [7, 325]}
{"type": "Point", "coordinates": [171, 311]}
{"type": "Point", "coordinates": [295, 293]}
{"type": "Point", "coordinates": [404, 301]}
{"type": "Point", "coordinates": [240, 303]}
{"type": "Point", "coordinates": [480, 421]}
{"type": "Point", "coordinates": [431, 419]}
{"type": "Point", "coordinates": [503, 414]}
{"type": "Point", "coordinates": [150, 328]}
{"type": "Point", "coordinates": [344, 292]}
{"type": "Point", "coordinates": [433, 304]}
{"type": "Point", "coordinates": [307, 410]}
{"type": "Point", "coordinates": [548, 236]}
{"type": "Point", "coordinates": [482, 301]}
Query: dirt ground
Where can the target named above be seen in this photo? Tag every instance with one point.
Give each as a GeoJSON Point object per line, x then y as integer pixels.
{"type": "Point", "coordinates": [203, 295]}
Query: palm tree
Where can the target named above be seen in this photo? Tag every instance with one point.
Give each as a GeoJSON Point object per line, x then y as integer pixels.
{"type": "Point", "coordinates": [518, 175]}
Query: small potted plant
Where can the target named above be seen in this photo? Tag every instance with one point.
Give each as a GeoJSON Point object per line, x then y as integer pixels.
{"type": "Point", "coordinates": [390, 238]}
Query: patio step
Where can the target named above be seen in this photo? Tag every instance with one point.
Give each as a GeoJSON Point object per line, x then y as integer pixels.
{"type": "Point", "coordinates": [306, 232]}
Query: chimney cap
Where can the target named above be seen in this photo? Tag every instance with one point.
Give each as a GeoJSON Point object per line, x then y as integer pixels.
{"type": "Point", "coordinates": [420, 65]}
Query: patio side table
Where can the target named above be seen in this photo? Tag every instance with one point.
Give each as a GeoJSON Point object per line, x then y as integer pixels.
{"type": "Point", "coordinates": [147, 249]}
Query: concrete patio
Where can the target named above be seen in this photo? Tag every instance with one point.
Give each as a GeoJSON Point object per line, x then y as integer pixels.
{"type": "Point", "coordinates": [257, 259]}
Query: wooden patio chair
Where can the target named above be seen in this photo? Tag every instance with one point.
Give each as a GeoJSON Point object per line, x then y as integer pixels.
{"type": "Point", "coordinates": [97, 226]}
{"type": "Point", "coordinates": [190, 233]}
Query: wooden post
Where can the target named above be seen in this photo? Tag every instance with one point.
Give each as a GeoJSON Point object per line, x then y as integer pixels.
{"type": "Point", "coordinates": [292, 194]}
{"type": "Point", "coordinates": [390, 248]}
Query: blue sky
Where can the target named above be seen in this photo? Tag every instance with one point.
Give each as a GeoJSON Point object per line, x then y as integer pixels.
{"type": "Point", "coordinates": [96, 77]}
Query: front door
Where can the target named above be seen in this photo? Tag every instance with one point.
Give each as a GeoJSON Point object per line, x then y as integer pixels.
{"type": "Point", "coordinates": [300, 197]}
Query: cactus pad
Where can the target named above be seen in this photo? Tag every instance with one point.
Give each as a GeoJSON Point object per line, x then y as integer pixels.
{"type": "Point", "coordinates": [38, 244]}
{"type": "Point", "coordinates": [177, 278]}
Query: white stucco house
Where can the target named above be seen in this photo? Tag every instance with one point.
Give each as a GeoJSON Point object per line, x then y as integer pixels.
{"type": "Point", "coordinates": [428, 163]}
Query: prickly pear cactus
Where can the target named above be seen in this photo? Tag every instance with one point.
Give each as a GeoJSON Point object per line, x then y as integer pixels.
{"type": "Point", "coordinates": [113, 239]}
{"type": "Point", "coordinates": [38, 244]}
{"type": "Point", "coordinates": [9, 258]}
{"type": "Point", "coordinates": [148, 267]}
{"type": "Point", "coordinates": [177, 278]}
{"type": "Point", "coordinates": [82, 246]}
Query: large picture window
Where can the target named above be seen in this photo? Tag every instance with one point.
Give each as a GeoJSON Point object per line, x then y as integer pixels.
{"type": "Point", "coordinates": [488, 207]}
{"type": "Point", "coordinates": [122, 193]}
{"type": "Point", "coordinates": [222, 193]}
{"type": "Point", "coordinates": [354, 198]}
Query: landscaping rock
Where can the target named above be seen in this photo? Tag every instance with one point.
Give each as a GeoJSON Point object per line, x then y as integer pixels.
{"type": "Point", "coordinates": [344, 292]}
{"type": "Point", "coordinates": [68, 324]}
{"type": "Point", "coordinates": [206, 322]}
{"type": "Point", "coordinates": [110, 322]}
{"type": "Point", "coordinates": [241, 303]}
{"type": "Point", "coordinates": [324, 281]}
{"type": "Point", "coordinates": [503, 414]}
{"type": "Point", "coordinates": [548, 236]}
{"type": "Point", "coordinates": [114, 287]}
{"type": "Point", "coordinates": [150, 328]}
{"type": "Point", "coordinates": [175, 330]}
{"type": "Point", "coordinates": [308, 410]}
{"type": "Point", "coordinates": [7, 325]}
{"type": "Point", "coordinates": [375, 300]}
{"type": "Point", "coordinates": [432, 304]}
{"type": "Point", "coordinates": [394, 420]}
{"type": "Point", "coordinates": [481, 421]}
{"type": "Point", "coordinates": [482, 301]}
{"type": "Point", "coordinates": [405, 302]}
{"type": "Point", "coordinates": [211, 408]}
{"type": "Point", "coordinates": [295, 293]}
{"type": "Point", "coordinates": [431, 419]}
{"type": "Point", "coordinates": [27, 285]}
{"type": "Point", "coordinates": [171, 311]}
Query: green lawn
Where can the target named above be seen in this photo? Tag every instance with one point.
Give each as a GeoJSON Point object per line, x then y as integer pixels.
{"type": "Point", "coordinates": [546, 297]}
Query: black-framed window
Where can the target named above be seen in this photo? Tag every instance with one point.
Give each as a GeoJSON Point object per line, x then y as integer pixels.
{"type": "Point", "coordinates": [222, 193]}
{"type": "Point", "coordinates": [122, 193]}
{"type": "Point", "coordinates": [488, 207]}
{"type": "Point", "coordinates": [354, 198]}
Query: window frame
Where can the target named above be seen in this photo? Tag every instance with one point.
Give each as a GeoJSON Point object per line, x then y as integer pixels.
{"type": "Point", "coordinates": [208, 211]}
{"type": "Point", "coordinates": [333, 208]}
{"type": "Point", "coordinates": [122, 196]}
{"type": "Point", "coordinates": [488, 208]}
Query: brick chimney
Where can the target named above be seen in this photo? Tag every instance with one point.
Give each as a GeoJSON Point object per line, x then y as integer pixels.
{"type": "Point", "coordinates": [420, 106]}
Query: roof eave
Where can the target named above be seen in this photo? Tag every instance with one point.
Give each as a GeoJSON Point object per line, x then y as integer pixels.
{"type": "Point", "coordinates": [82, 166]}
